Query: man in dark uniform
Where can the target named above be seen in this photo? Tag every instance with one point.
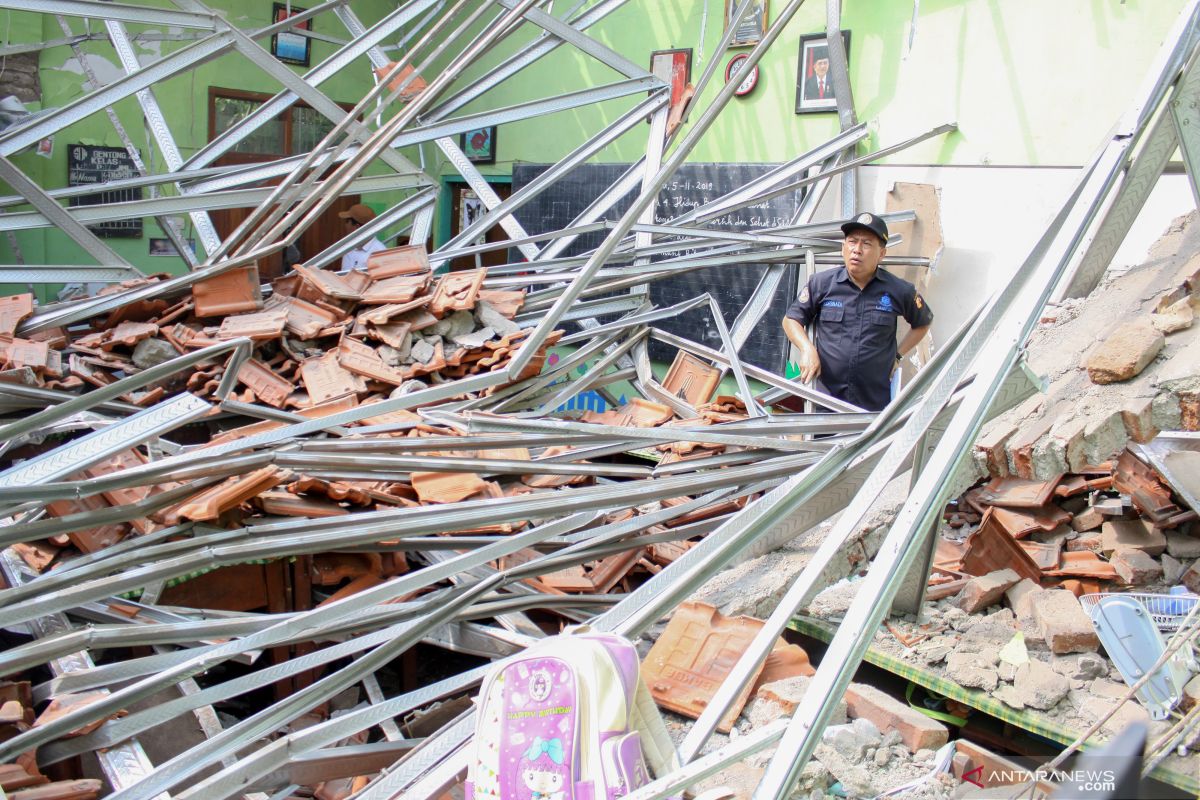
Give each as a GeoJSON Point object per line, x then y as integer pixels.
{"type": "Point", "coordinates": [844, 321]}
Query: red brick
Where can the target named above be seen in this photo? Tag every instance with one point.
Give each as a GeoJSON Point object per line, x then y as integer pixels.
{"type": "Point", "coordinates": [916, 730]}
{"type": "Point", "coordinates": [1135, 567]}
{"type": "Point", "coordinates": [1125, 353]}
{"type": "Point", "coordinates": [986, 590]}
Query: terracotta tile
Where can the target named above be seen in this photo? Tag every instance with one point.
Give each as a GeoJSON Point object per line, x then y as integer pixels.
{"type": "Point", "coordinates": [446, 487]}
{"type": "Point", "coordinates": [990, 548]}
{"type": "Point", "coordinates": [694, 655]}
{"type": "Point", "coordinates": [232, 292]}
{"type": "Point", "coordinates": [1045, 555]}
{"type": "Point", "coordinates": [410, 259]}
{"type": "Point", "coordinates": [260, 326]}
{"type": "Point", "coordinates": [605, 573]}
{"type": "Point", "coordinates": [330, 569]}
{"type": "Point", "coordinates": [328, 284]}
{"type": "Point", "coordinates": [392, 334]}
{"type": "Point", "coordinates": [56, 338]}
{"type": "Point", "coordinates": [37, 554]}
{"type": "Point", "coordinates": [645, 414]}
{"type": "Point", "coordinates": [569, 579]}
{"type": "Point", "coordinates": [335, 406]}
{"type": "Point", "coordinates": [1149, 494]}
{"type": "Point", "coordinates": [412, 312]}
{"type": "Point", "coordinates": [359, 584]}
{"type": "Point", "coordinates": [88, 540]}
{"type": "Point", "coordinates": [1071, 486]}
{"type": "Point", "coordinates": [304, 319]}
{"type": "Point", "coordinates": [393, 418]}
{"type": "Point", "coordinates": [691, 379]}
{"type": "Point", "coordinates": [1080, 587]}
{"type": "Point", "coordinates": [457, 291]}
{"type": "Point", "coordinates": [784, 661]}
{"type": "Point", "coordinates": [507, 303]}
{"type": "Point", "coordinates": [362, 360]}
{"type": "Point", "coordinates": [1018, 492]}
{"type": "Point", "coordinates": [64, 704]}
{"type": "Point", "coordinates": [267, 386]}
{"type": "Point", "coordinates": [357, 280]}
{"type": "Point", "coordinates": [14, 309]}
{"type": "Point", "coordinates": [1084, 564]}
{"type": "Point", "coordinates": [212, 502]}
{"type": "Point", "coordinates": [127, 459]}
{"type": "Point", "coordinates": [665, 552]}
{"type": "Point", "coordinates": [707, 512]}
{"type": "Point", "coordinates": [326, 380]}
{"type": "Point", "coordinates": [1021, 522]}
{"type": "Point", "coordinates": [407, 92]}
{"type": "Point", "coordinates": [398, 290]}
{"type": "Point", "coordinates": [19, 353]}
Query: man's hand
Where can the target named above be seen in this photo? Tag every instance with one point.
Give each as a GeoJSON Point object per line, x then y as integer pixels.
{"type": "Point", "coordinates": [810, 365]}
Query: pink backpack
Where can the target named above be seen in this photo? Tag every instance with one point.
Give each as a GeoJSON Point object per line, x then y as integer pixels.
{"type": "Point", "coordinates": [568, 719]}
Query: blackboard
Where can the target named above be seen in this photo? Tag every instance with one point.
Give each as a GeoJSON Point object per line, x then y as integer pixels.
{"type": "Point", "coordinates": [88, 164]}
{"type": "Point", "coordinates": [692, 185]}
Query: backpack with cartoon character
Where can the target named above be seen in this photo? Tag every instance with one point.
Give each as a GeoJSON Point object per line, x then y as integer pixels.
{"type": "Point", "coordinates": [568, 719]}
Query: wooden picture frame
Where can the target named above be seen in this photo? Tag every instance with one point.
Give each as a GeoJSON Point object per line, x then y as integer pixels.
{"type": "Point", "coordinates": [289, 47]}
{"type": "Point", "coordinates": [479, 145]}
{"type": "Point", "coordinates": [814, 83]}
{"type": "Point", "coordinates": [753, 26]}
{"type": "Point", "coordinates": [674, 67]}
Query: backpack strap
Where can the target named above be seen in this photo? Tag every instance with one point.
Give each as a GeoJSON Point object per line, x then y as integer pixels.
{"type": "Point", "coordinates": [646, 719]}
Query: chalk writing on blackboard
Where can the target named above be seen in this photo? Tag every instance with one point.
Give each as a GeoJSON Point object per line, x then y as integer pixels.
{"type": "Point", "coordinates": [88, 164]}
{"type": "Point", "coordinates": [693, 186]}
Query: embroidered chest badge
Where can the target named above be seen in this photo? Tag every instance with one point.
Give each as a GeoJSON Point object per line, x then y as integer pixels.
{"type": "Point", "coordinates": [885, 304]}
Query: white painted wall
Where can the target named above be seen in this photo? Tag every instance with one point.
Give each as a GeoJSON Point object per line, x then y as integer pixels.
{"type": "Point", "coordinates": [992, 217]}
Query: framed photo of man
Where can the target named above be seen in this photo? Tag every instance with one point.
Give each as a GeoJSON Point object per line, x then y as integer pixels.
{"type": "Point", "coordinates": [814, 83]}
{"type": "Point", "coordinates": [753, 26]}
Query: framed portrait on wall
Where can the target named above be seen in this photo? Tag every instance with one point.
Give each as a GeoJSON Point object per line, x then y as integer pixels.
{"type": "Point", "coordinates": [753, 26]}
{"type": "Point", "coordinates": [287, 46]}
{"type": "Point", "coordinates": [814, 84]}
{"type": "Point", "coordinates": [479, 145]}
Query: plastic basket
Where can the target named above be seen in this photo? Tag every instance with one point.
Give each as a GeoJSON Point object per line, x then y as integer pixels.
{"type": "Point", "coordinates": [1167, 610]}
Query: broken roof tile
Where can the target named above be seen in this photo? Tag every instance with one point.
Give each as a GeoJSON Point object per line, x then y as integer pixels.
{"type": "Point", "coordinates": [457, 291]}
{"type": "Point", "coordinates": [1083, 564]}
{"type": "Point", "coordinates": [362, 359]}
{"type": "Point", "coordinates": [694, 655]}
{"type": "Point", "coordinates": [267, 386]}
{"type": "Point", "coordinates": [325, 379]}
{"type": "Point", "coordinates": [14, 309]}
{"type": "Point", "coordinates": [259, 326]}
{"type": "Point", "coordinates": [691, 379]}
{"type": "Point", "coordinates": [446, 487]}
{"type": "Point", "coordinates": [400, 289]}
{"type": "Point", "coordinates": [990, 548]}
{"type": "Point", "coordinates": [232, 292]}
{"type": "Point", "coordinates": [215, 500]}
{"type": "Point", "coordinates": [409, 259]}
{"type": "Point", "coordinates": [326, 283]}
{"type": "Point", "coordinates": [1018, 492]}
{"type": "Point", "coordinates": [507, 303]}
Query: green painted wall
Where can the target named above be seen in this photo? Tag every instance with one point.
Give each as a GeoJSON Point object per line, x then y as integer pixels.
{"type": "Point", "coordinates": [1029, 82]}
{"type": "Point", "coordinates": [183, 99]}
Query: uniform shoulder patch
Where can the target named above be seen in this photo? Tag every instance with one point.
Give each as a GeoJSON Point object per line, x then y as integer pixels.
{"type": "Point", "coordinates": [920, 301]}
{"type": "Point", "coordinates": [804, 295]}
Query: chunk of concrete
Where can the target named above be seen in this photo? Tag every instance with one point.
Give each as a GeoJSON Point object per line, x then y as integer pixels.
{"type": "Point", "coordinates": [1038, 686]}
{"type": "Point", "coordinates": [1063, 623]}
{"type": "Point", "coordinates": [152, 352]}
{"type": "Point", "coordinates": [1172, 570]}
{"type": "Point", "coordinates": [1125, 353]}
{"type": "Point", "coordinates": [1183, 545]}
{"type": "Point", "coordinates": [889, 714]}
{"type": "Point", "coordinates": [1175, 317]}
{"type": "Point", "coordinates": [986, 590]}
{"type": "Point", "coordinates": [1132, 534]}
{"type": "Point", "coordinates": [972, 670]}
{"type": "Point", "coordinates": [1080, 666]}
{"type": "Point", "coordinates": [1191, 578]}
{"type": "Point", "coordinates": [1135, 568]}
{"type": "Point", "coordinates": [1087, 520]}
